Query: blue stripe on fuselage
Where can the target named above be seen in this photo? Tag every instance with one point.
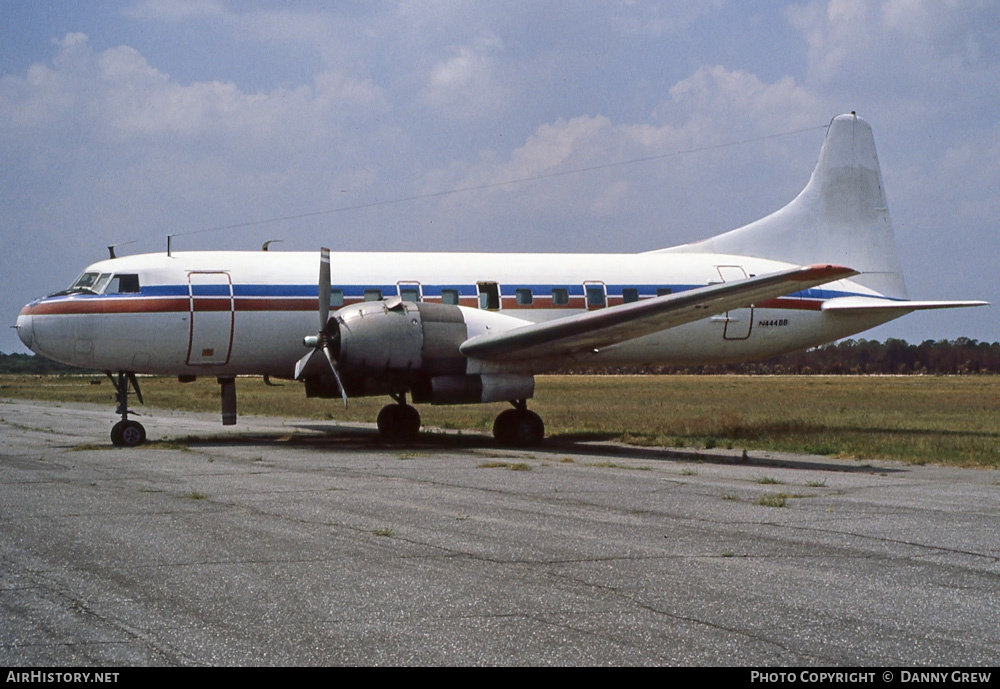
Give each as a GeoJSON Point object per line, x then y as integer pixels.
{"type": "Point", "coordinates": [388, 290]}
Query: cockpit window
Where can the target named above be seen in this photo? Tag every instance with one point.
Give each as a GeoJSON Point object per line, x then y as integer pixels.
{"type": "Point", "coordinates": [88, 282]}
{"type": "Point", "coordinates": [85, 281]}
{"type": "Point", "coordinates": [123, 284]}
{"type": "Point", "coordinates": [104, 283]}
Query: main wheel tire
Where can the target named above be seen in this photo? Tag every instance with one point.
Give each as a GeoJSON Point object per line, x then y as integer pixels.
{"type": "Point", "coordinates": [503, 427]}
{"type": "Point", "coordinates": [519, 428]}
{"type": "Point", "coordinates": [529, 430]}
{"type": "Point", "coordinates": [133, 434]}
{"type": "Point", "coordinates": [409, 422]}
{"type": "Point", "coordinates": [398, 422]}
{"type": "Point", "coordinates": [116, 434]}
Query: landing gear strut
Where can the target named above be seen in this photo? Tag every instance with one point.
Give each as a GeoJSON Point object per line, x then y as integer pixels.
{"type": "Point", "coordinates": [519, 427]}
{"type": "Point", "coordinates": [126, 433]}
{"type": "Point", "coordinates": [398, 422]}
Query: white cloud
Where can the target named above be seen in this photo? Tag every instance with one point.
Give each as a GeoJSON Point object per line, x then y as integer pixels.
{"type": "Point", "coordinates": [914, 54]}
{"type": "Point", "coordinates": [577, 142]}
{"type": "Point", "coordinates": [669, 199]}
{"type": "Point", "coordinates": [464, 86]}
{"type": "Point", "coordinates": [951, 27]}
{"type": "Point", "coordinates": [734, 100]}
{"type": "Point", "coordinates": [120, 94]}
{"type": "Point", "coordinates": [105, 141]}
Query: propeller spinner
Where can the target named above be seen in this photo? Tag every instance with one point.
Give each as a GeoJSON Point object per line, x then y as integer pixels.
{"type": "Point", "coordinates": [311, 363]}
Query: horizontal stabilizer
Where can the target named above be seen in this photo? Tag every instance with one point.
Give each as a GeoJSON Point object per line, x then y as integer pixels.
{"type": "Point", "coordinates": [855, 304]}
{"type": "Point", "coordinates": [605, 327]}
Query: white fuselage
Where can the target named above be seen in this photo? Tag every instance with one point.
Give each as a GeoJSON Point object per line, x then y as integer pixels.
{"type": "Point", "coordinates": [237, 313]}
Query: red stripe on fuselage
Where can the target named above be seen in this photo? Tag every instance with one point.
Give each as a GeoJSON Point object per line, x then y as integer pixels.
{"type": "Point", "coordinates": [183, 304]}
{"type": "Point", "coordinates": [86, 306]}
{"type": "Point", "coordinates": [270, 304]}
{"type": "Point", "coordinates": [791, 303]}
{"type": "Point", "coordinates": [212, 304]}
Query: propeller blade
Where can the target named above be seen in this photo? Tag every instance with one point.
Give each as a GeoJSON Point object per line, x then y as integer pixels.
{"type": "Point", "coordinates": [324, 288]}
{"type": "Point", "coordinates": [311, 364]}
{"type": "Point", "coordinates": [340, 385]}
{"type": "Point", "coordinates": [303, 364]}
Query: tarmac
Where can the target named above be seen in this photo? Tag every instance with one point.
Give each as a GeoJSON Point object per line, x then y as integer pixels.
{"type": "Point", "coordinates": [295, 542]}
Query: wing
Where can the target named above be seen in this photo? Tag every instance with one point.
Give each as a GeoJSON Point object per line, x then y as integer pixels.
{"type": "Point", "coordinates": [605, 327]}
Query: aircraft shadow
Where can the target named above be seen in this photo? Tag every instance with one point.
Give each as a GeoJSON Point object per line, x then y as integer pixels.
{"type": "Point", "coordinates": [343, 438]}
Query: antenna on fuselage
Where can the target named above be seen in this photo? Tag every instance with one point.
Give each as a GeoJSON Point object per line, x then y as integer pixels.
{"type": "Point", "coordinates": [169, 237]}
{"type": "Point", "coordinates": [269, 242]}
{"type": "Point", "coordinates": [112, 247]}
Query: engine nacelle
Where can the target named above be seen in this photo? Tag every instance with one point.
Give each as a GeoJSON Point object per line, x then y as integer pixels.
{"type": "Point", "coordinates": [388, 338]}
{"type": "Point", "coordinates": [395, 346]}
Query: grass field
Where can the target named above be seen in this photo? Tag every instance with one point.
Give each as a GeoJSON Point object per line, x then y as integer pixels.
{"type": "Point", "coordinates": [917, 419]}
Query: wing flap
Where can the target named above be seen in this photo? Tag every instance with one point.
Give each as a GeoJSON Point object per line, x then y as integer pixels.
{"type": "Point", "coordinates": [605, 327]}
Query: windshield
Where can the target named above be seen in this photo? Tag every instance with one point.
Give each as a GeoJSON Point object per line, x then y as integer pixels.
{"type": "Point", "coordinates": [88, 282]}
{"type": "Point", "coordinates": [85, 281]}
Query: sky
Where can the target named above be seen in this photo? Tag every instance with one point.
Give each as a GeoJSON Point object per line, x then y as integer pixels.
{"type": "Point", "coordinates": [505, 126]}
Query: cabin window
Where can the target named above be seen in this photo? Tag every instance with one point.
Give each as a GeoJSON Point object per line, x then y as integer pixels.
{"type": "Point", "coordinates": [336, 298]}
{"type": "Point", "coordinates": [409, 293]}
{"type": "Point", "coordinates": [123, 284]}
{"type": "Point", "coordinates": [595, 296]}
{"type": "Point", "coordinates": [523, 296]}
{"type": "Point", "coordinates": [663, 291]}
{"type": "Point", "coordinates": [629, 295]}
{"type": "Point", "coordinates": [560, 296]}
{"type": "Point", "coordinates": [489, 295]}
{"type": "Point", "coordinates": [373, 295]}
{"type": "Point", "coordinates": [449, 296]}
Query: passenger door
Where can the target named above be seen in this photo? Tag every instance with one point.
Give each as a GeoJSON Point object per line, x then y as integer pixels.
{"type": "Point", "coordinates": [212, 316]}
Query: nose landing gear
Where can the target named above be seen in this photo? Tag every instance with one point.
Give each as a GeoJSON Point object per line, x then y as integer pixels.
{"type": "Point", "coordinates": [126, 433]}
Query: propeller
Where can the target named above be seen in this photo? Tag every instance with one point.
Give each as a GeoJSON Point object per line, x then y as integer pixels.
{"type": "Point", "coordinates": [311, 362]}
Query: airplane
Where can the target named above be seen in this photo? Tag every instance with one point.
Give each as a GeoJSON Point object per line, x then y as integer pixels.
{"type": "Point", "coordinates": [463, 328]}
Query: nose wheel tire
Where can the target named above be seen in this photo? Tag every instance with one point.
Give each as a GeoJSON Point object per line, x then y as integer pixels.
{"type": "Point", "coordinates": [519, 428]}
{"type": "Point", "coordinates": [128, 434]}
{"type": "Point", "coordinates": [398, 422]}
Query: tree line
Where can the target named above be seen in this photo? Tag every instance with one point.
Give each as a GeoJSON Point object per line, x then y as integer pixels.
{"type": "Point", "coordinates": [961, 356]}
{"type": "Point", "coordinates": [35, 365]}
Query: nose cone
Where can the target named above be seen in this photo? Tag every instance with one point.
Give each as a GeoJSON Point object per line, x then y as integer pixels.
{"type": "Point", "coordinates": [25, 329]}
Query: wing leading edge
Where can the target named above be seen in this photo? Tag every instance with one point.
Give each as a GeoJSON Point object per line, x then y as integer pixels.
{"type": "Point", "coordinates": [596, 329]}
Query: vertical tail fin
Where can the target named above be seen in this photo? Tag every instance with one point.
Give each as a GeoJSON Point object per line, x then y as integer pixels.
{"type": "Point", "coordinates": [840, 217]}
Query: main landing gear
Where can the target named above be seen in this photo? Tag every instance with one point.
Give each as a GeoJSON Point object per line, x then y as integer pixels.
{"type": "Point", "coordinates": [126, 433]}
{"type": "Point", "coordinates": [398, 422]}
{"type": "Point", "coordinates": [519, 427]}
